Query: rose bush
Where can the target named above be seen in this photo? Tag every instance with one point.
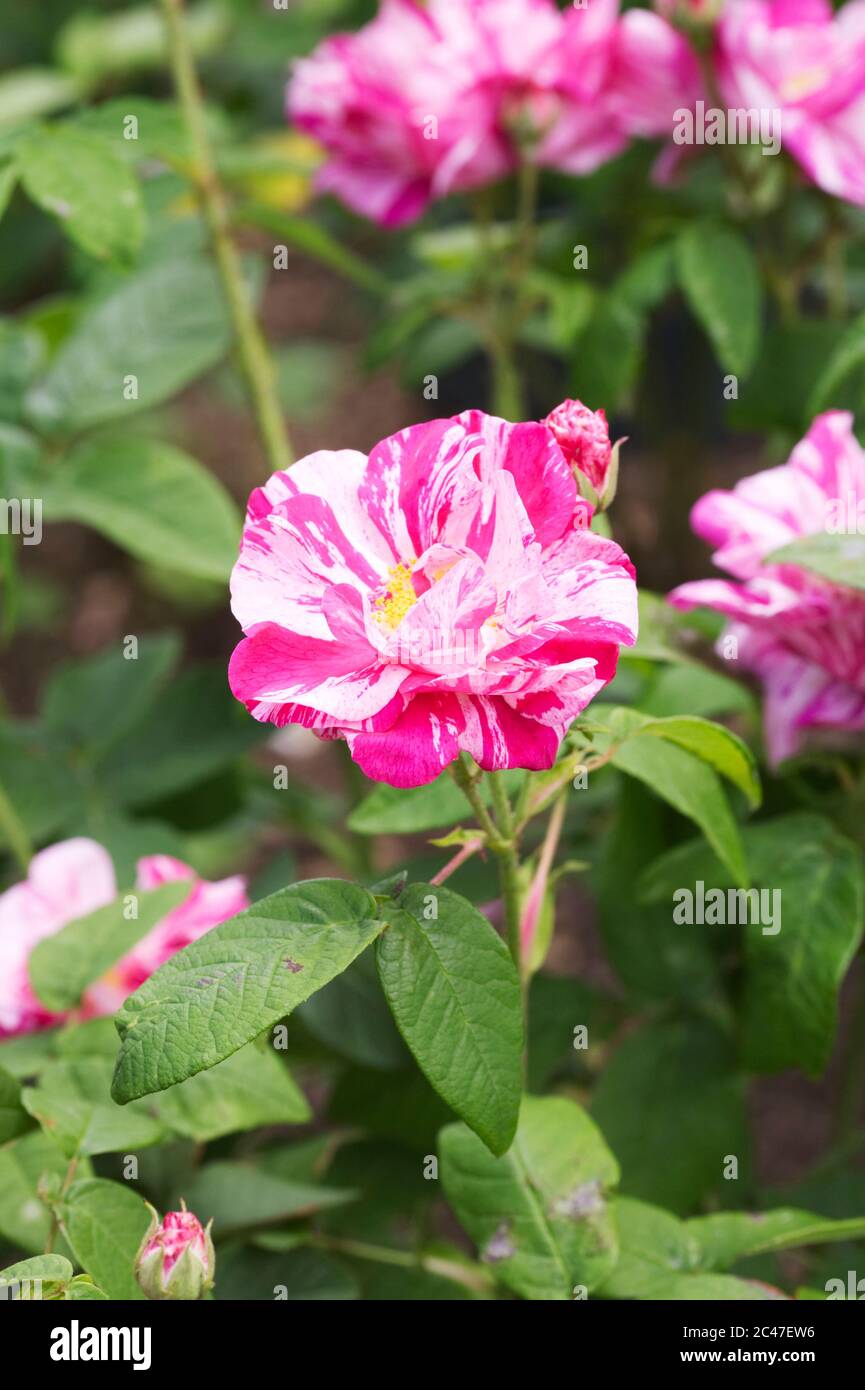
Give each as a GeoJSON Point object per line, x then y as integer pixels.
{"type": "Point", "coordinates": [432, 886]}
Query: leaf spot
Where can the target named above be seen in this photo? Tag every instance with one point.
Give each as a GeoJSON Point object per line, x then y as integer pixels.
{"type": "Point", "coordinates": [499, 1246]}
{"type": "Point", "coordinates": [583, 1201]}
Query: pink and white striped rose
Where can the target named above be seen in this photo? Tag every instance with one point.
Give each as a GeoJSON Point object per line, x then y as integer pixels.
{"type": "Point", "coordinates": [807, 61]}
{"type": "Point", "coordinates": [443, 594]}
{"type": "Point", "coordinates": [803, 637]}
{"type": "Point", "coordinates": [436, 98]}
{"type": "Point", "coordinates": [72, 879]}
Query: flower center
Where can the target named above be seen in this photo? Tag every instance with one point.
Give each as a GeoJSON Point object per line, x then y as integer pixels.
{"type": "Point", "coordinates": [803, 83]}
{"type": "Point", "coordinates": [392, 606]}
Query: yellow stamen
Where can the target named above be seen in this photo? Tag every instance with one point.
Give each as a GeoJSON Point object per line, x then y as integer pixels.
{"type": "Point", "coordinates": [392, 606]}
{"type": "Point", "coordinates": [803, 83]}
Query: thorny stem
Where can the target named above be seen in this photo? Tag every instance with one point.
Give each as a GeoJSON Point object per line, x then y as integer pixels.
{"type": "Point", "coordinates": [55, 1220]}
{"type": "Point", "coordinates": [501, 841]}
{"type": "Point", "coordinates": [467, 782]}
{"type": "Point", "coordinates": [254, 354]}
{"type": "Point", "coordinates": [506, 293]}
{"type": "Point", "coordinates": [15, 831]}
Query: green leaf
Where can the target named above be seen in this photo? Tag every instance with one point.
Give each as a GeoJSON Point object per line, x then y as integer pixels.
{"type": "Point", "coordinates": [165, 325]}
{"type": "Point", "coordinates": [141, 493]}
{"type": "Point", "coordinates": [94, 703]}
{"type": "Point", "coordinates": [695, 690]}
{"type": "Point", "coordinates": [671, 1105]}
{"type": "Point", "coordinates": [688, 784]}
{"type": "Point", "coordinates": [455, 994]}
{"type": "Point", "coordinates": [727, 1237]}
{"type": "Point", "coordinates": [608, 354]}
{"type": "Point", "coordinates": [24, 1219]}
{"type": "Point", "coordinates": [42, 788]}
{"type": "Point", "coordinates": [660, 627]}
{"type": "Point", "coordinates": [193, 729]}
{"type": "Point", "coordinates": [713, 744]}
{"type": "Point", "coordinates": [407, 810]}
{"type": "Point", "coordinates": [847, 356]}
{"type": "Point", "coordinates": [662, 1260]}
{"type": "Point", "coordinates": [27, 93]}
{"type": "Point", "coordinates": [840, 559]}
{"type": "Point", "coordinates": [160, 133]}
{"type": "Point", "coordinates": [239, 1195]}
{"type": "Point", "coordinates": [649, 278]}
{"type": "Point", "coordinates": [79, 180]}
{"type": "Point", "coordinates": [82, 1289]}
{"type": "Point", "coordinates": [790, 1000]}
{"type": "Point", "coordinates": [721, 281]}
{"type": "Point", "coordinates": [784, 376]}
{"type": "Point", "coordinates": [14, 1119]}
{"type": "Point", "coordinates": [8, 180]}
{"type": "Point", "coordinates": [650, 953]}
{"type": "Point", "coordinates": [238, 980]}
{"type": "Point", "coordinates": [26, 1054]}
{"type": "Point", "coordinates": [48, 1269]}
{"type": "Point", "coordinates": [315, 241]}
{"type": "Point", "coordinates": [73, 1104]}
{"type": "Point", "coordinates": [251, 1088]}
{"type": "Point", "coordinates": [540, 1214]}
{"type": "Point", "coordinates": [62, 966]}
{"type": "Point", "coordinates": [105, 1223]}
{"type": "Point", "coordinates": [655, 1247]}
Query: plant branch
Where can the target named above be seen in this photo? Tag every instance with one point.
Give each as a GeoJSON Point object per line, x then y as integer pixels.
{"type": "Point", "coordinates": [535, 897]}
{"type": "Point", "coordinates": [467, 782]}
{"type": "Point", "coordinates": [458, 859]}
{"type": "Point", "coordinates": [469, 1276]}
{"type": "Point", "coordinates": [254, 354]}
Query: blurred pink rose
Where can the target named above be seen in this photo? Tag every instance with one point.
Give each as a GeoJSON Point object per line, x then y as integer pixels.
{"type": "Point", "coordinates": [443, 594]}
{"type": "Point", "coordinates": [72, 879]}
{"type": "Point", "coordinates": [655, 74]}
{"type": "Point", "coordinates": [801, 635]}
{"type": "Point", "coordinates": [584, 438]}
{"type": "Point", "coordinates": [801, 59]}
{"type": "Point", "coordinates": [427, 100]}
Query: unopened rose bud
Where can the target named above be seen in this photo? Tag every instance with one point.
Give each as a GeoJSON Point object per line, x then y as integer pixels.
{"type": "Point", "coordinates": [583, 436]}
{"type": "Point", "coordinates": [176, 1259]}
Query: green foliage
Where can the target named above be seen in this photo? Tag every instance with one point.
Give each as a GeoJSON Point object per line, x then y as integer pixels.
{"type": "Point", "coordinates": [145, 507]}
{"type": "Point", "coordinates": [540, 1215]}
{"type": "Point", "coordinates": [77, 178]}
{"type": "Point", "coordinates": [238, 981]}
{"type": "Point", "coordinates": [455, 995]}
{"type": "Point", "coordinates": [366, 1089]}
{"type": "Point", "coordinates": [719, 275]}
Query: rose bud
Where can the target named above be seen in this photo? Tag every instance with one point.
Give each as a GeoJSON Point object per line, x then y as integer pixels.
{"type": "Point", "coordinates": [176, 1259]}
{"type": "Point", "coordinates": [583, 436]}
